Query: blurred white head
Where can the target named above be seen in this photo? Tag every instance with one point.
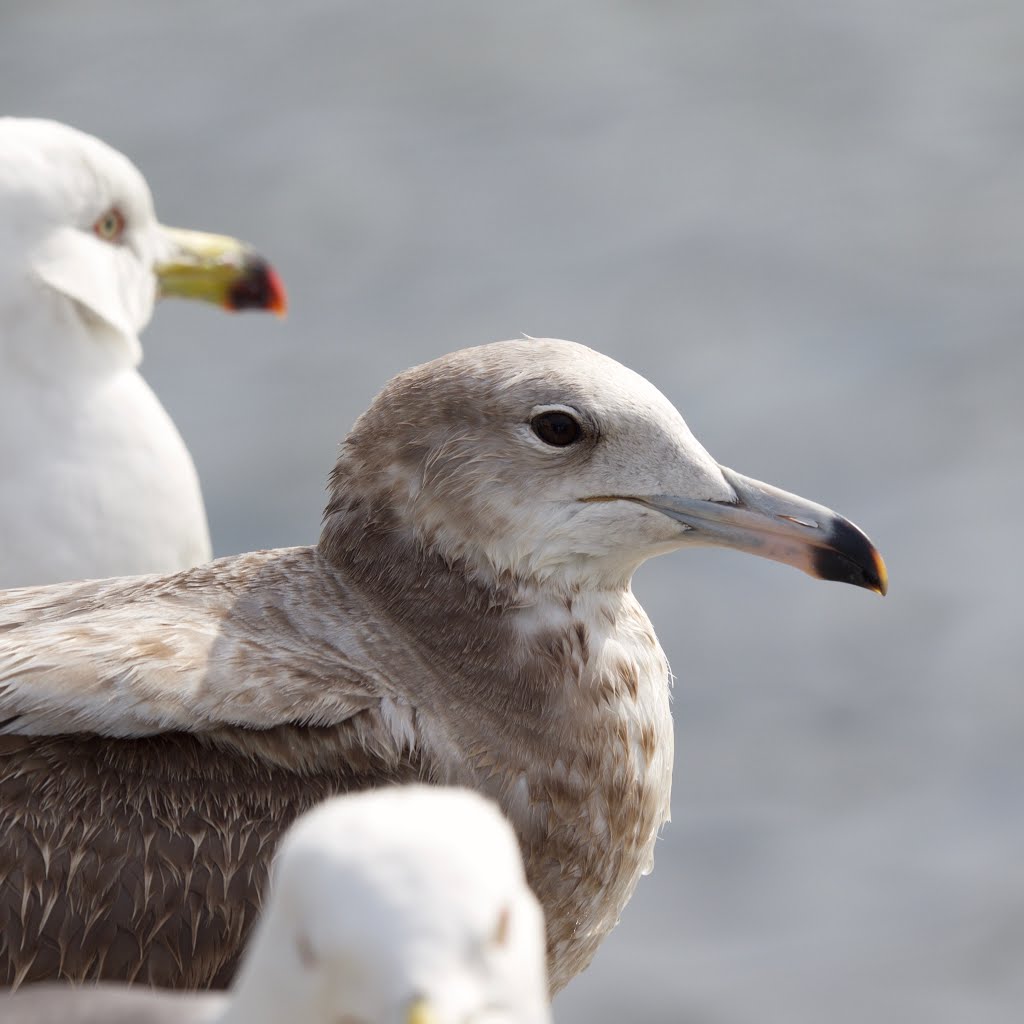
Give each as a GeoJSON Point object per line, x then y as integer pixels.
{"type": "Point", "coordinates": [406, 905]}
{"type": "Point", "coordinates": [78, 217]}
{"type": "Point", "coordinates": [81, 248]}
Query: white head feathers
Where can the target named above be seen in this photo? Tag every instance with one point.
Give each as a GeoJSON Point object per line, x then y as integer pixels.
{"type": "Point", "coordinates": [78, 218]}
{"type": "Point", "coordinates": [405, 905]}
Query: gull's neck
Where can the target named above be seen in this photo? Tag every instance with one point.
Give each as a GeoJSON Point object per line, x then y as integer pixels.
{"type": "Point", "coordinates": [435, 600]}
{"type": "Point", "coordinates": [473, 627]}
{"type": "Point", "coordinates": [47, 337]}
{"type": "Point", "coordinates": [524, 680]}
{"type": "Point", "coordinates": [272, 986]}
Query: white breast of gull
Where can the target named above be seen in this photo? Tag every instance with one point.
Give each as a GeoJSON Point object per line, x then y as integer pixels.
{"type": "Point", "coordinates": [95, 479]}
{"type": "Point", "coordinates": [466, 618]}
{"type": "Point", "coordinates": [407, 904]}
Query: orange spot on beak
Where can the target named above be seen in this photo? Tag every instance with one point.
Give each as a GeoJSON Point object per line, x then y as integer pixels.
{"type": "Point", "coordinates": [278, 297]}
{"type": "Point", "coordinates": [258, 287]}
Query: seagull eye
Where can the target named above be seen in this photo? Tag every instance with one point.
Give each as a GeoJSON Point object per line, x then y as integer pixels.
{"type": "Point", "coordinates": [110, 226]}
{"type": "Point", "coordinates": [499, 937]}
{"type": "Point", "coordinates": [559, 429]}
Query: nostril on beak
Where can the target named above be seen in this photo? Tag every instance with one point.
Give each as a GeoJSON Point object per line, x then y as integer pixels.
{"type": "Point", "coordinates": [809, 523]}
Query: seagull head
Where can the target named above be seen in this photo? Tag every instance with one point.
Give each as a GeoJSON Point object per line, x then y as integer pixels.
{"type": "Point", "coordinates": [543, 458]}
{"type": "Point", "coordinates": [404, 905]}
{"type": "Point", "coordinates": [78, 232]}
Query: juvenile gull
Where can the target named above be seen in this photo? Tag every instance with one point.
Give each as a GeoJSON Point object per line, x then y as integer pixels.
{"type": "Point", "coordinates": [407, 904]}
{"type": "Point", "coordinates": [94, 478]}
{"type": "Point", "coordinates": [466, 618]}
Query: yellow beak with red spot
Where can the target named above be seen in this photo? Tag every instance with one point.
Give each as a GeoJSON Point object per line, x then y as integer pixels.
{"type": "Point", "coordinates": [218, 269]}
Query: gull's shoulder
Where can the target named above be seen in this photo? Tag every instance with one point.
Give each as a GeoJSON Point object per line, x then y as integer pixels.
{"type": "Point", "coordinates": [255, 640]}
{"type": "Point", "coordinates": [121, 610]}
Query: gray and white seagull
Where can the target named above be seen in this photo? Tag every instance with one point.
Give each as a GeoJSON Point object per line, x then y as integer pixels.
{"type": "Point", "coordinates": [95, 479]}
{"type": "Point", "coordinates": [465, 619]}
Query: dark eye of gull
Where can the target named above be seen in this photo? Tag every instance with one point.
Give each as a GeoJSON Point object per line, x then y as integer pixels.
{"type": "Point", "coordinates": [557, 428]}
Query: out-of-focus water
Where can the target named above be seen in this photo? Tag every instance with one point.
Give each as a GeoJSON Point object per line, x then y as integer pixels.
{"type": "Point", "coordinates": [805, 222]}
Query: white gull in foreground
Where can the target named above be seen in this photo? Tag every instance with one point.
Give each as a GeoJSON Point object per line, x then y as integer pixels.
{"type": "Point", "coordinates": [95, 479]}
{"type": "Point", "coordinates": [406, 905]}
{"type": "Point", "coordinates": [466, 618]}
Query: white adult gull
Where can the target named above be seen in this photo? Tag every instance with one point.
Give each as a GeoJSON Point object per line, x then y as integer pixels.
{"type": "Point", "coordinates": [405, 905]}
{"type": "Point", "coordinates": [95, 479]}
{"type": "Point", "coordinates": [466, 618]}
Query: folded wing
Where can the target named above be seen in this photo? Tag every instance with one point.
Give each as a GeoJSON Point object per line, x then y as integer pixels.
{"type": "Point", "coordinates": [232, 643]}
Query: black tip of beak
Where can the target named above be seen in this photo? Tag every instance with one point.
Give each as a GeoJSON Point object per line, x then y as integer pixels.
{"type": "Point", "coordinates": [850, 557]}
{"type": "Point", "coordinates": [258, 287]}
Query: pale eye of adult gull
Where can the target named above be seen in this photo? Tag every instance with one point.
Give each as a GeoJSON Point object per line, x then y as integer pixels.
{"type": "Point", "coordinates": [110, 226]}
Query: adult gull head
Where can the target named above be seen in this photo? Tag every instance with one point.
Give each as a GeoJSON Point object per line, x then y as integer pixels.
{"type": "Point", "coordinates": [95, 478]}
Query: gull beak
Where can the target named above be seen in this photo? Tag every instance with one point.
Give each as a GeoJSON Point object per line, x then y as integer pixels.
{"type": "Point", "coordinates": [420, 1012]}
{"type": "Point", "coordinates": [218, 269]}
{"type": "Point", "coordinates": [772, 523]}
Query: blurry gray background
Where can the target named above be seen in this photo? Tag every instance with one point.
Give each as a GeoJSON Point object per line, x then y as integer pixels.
{"type": "Point", "coordinates": [804, 222]}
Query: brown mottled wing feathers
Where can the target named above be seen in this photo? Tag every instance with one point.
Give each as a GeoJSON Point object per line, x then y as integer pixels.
{"type": "Point", "coordinates": [233, 642]}
{"type": "Point", "coordinates": [160, 734]}
{"type": "Point", "coordinates": [130, 883]}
